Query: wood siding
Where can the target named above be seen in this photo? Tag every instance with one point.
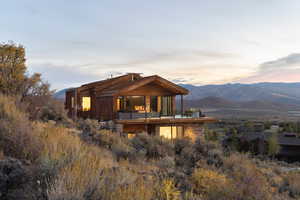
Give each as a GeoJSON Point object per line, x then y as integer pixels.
{"type": "Point", "coordinates": [105, 108]}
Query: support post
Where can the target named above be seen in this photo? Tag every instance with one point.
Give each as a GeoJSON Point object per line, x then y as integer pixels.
{"type": "Point", "coordinates": [145, 106]}
{"type": "Point", "coordinates": [75, 102]}
{"type": "Point", "coordinates": [181, 104]}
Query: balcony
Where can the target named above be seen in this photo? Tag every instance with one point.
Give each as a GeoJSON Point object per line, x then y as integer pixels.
{"type": "Point", "coordinates": [157, 115]}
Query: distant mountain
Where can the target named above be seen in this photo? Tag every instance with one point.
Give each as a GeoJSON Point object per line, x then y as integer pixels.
{"type": "Point", "coordinates": [61, 94]}
{"type": "Point", "coordinates": [220, 103]}
{"type": "Point", "coordinates": [286, 93]}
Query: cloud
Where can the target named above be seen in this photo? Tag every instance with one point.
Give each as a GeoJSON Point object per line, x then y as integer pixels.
{"type": "Point", "coordinates": [291, 61]}
{"type": "Point", "coordinates": [184, 66]}
{"type": "Point", "coordinates": [285, 69]}
{"type": "Point", "coordinates": [61, 76]}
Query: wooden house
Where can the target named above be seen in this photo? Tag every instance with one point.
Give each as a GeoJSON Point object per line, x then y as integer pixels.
{"type": "Point", "coordinates": [135, 104]}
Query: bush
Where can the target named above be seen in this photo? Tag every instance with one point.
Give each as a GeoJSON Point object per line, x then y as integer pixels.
{"type": "Point", "coordinates": [155, 147]}
{"type": "Point", "coordinates": [88, 126]}
{"type": "Point", "coordinates": [123, 150]}
{"type": "Point", "coordinates": [249, 182]}
{"type": "Point", "coordinates": [181, 143]}
{"type": "Point", "coordinates": [138, 189]}
{"type": "Point", "coordinates": [168, 191]}
{"type": "Point", "coordinates": [73, 168]}
{"type": "Point", "coordinates": [209, 183]}
{"type": "Point", "coordinates": [17, 134]}
{"type": "Point", "coordinates": [200, 151]}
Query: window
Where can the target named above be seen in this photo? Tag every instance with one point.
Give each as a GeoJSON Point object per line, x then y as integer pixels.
{"type": "Point", "coordinates": [72, 102]}
{"type": "Point", "coordinates": [153, 103]}
{"type": "Point", "coordinates": [86, 103]}
{"type": "Point", "coordinates": [118, 104]}
{"type": "Point", "coordinates": [131, 135]}
{"type": "Point", "coordinates": [131, 104]}
{"type": "Point", "coordinates": [166, 105]}
{"type": "Point", "coordinates": [171, 132]}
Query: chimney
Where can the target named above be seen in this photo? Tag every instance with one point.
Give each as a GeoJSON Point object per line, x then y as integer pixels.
{"type": "Point", "coordinates": [134, 75]}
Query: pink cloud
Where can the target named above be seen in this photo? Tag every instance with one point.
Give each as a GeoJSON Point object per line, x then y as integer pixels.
{"type": "Point", "coordinates": [282, 75]}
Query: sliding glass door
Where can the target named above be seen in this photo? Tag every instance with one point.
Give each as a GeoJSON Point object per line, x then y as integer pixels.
{"type": "Point", "coordinates": [166, 105]}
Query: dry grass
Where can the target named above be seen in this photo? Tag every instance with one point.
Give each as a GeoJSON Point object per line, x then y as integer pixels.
{"type": "Point", "coordinates": [17, 135]}
{"type": "Point", "coordinates": [77, 167]}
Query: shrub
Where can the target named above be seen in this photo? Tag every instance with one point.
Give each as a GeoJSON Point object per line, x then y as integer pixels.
{"type": "Point", "coordinates": [123, 150]}
{"type": "Point", "coordinates": [181, 143]}
{"type": "Point", "coordinates": [53, 110]}
{"type": "Point", "coordinates": [249, 182]}
{"type": "Point", "coordinates": [204, 151]}
{"type": "Point", "coordinates": [74, 168]}
{"type": "Point", "coordinates": [17, 135]}
{"type": "Point", "coordinates": [166, 163]}
{"type": "Point", "coordinates": [168, 191]}
{"type": "Point", "coordinates": [139, 190]}
{"type": "Point", "coordinates": [81, 179]}
{"type": "Point", "coordinates": [209, 183]}
{"type": "Point", "coordinates": [155, 147]}
{"type": "Point", "coordinates": [88, 126]}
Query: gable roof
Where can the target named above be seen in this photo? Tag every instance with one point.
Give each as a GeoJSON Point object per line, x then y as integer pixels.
{"type": "Point", "coordinates": [129, 82]}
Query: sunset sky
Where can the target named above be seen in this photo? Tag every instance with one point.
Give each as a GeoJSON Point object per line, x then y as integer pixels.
{"type": "Point", "coordinates": [193, 41]}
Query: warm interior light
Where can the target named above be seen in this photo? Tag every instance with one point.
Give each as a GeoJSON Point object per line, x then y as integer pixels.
{"type": "Point", "coordinates": [165, 131]}
{"type": "Point", "coordinates": [139, 108]}
{"type": "Point", "coordinates": [86, 103]}
{"type": "Point", "coordinates": [171, 132]}
{"type": "Point", "coordinates": [131, 135]}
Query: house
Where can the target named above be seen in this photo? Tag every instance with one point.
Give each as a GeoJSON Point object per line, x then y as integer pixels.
{"type": "Point", "coordinates": [136, 104]}
{"type": "Point", "coordinates": [257, 142]}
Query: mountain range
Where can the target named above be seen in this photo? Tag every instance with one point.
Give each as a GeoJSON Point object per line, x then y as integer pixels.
{"type": "Point", "coordinates": [287, 93]}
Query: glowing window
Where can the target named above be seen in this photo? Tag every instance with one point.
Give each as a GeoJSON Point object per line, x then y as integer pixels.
{"type": "Point", "coordinates": [72, 102]}
{"type": "Point", "coordinates": [131, 135]}
{"type": "Point", "coordinates": [165, 131]}
{"type": "Point", "coordinates": [86, 103]}
{"type": "Point", "coordinates": [171, 132]}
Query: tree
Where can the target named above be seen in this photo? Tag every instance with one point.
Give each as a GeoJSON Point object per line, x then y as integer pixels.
{"type": "Point", "coordinates": [273, 146]}
{"type": "Point", "coordinates": [31, 91]}
{"type": "Point", "coordinates": [13, 78]}
{"type": "Point", "coordinates": [12, 68]}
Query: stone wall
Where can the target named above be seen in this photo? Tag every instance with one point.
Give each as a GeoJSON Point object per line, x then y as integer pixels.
{"type": "Point", "coordinates": [194, 131]}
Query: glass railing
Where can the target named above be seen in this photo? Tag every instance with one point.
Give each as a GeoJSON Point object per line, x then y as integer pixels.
{"type": "Point", "coordinates": [137, 115]}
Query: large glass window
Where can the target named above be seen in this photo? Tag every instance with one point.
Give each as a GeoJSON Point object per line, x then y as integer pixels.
{"type": "Point", "coordinates": [153, 103]}
{"type": "Point", "coordinates": [72, 102]}
{"type": "Point", "coordinates": [171, 132]}
{"type": "Point", "coordinates": [131, 103]}
{"type": "Point", "coordinates": [86, 103]}
{"type": "Point", "coordinates": [166, 105]}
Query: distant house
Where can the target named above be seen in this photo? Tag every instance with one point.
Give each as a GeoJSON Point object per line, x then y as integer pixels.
{"type": "Point", "coordinates": [135, 104]}
{"type": "Point", "coordinates": [257, 142]}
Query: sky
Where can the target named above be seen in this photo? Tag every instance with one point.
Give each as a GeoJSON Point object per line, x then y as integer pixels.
{"type": "Point", "coordinates": [198, 42]}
